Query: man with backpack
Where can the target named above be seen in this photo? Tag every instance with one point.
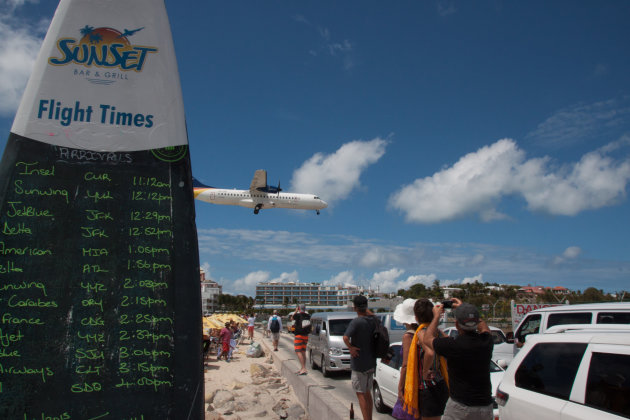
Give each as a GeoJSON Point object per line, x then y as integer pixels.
{"type": "Point", "coordinates": [274, 326]}
{"type": "Point", "coordinates": [364, 337]}
{"type": "Point", "coordinates": [302, 330]}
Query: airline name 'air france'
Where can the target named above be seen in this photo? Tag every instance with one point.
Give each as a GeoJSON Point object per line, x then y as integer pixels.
{"type": "Point", "coordinates": [51, 109]}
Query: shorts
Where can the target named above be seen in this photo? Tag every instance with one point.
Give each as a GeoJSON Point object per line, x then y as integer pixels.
{"type": "Point", "coordinates": [275, 336]}
{"type": "Point", "coordinates": [362, 381]}
{"type": "Point", "coordinates": [250, 329]}
{"type": "Point", "coordinates": [299, 343]}
{"type": "Point", "coordinates": [457, 411]}
{"type": "Point", "coordinates": [432, 399]}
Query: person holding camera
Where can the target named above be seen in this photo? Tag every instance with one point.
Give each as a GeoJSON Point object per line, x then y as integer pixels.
{"type": "Point", "coordinates": [468, 357]}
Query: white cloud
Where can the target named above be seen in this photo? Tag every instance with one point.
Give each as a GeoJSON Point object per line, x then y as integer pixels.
{"type": "Point", "coordinates": [345, 278]}
{"type": "Point", "coordinates": [583, 122]}
{"type": "Point", "coordinates": [334, 176]}
{"type": "Point", "coordinates": [571, 253]}
{"type": "Point", "coordinates": [286, 278]}
{"type": "Point", "coordinates": [386, 281]}
{"type": "Point", "coordinates": [247, 285]}
{"type": "Point", "coordinates": [373, 257]}
{"type": "Point", "coordinates": [328, 46]}
{"type": "Point", "coordinates": [478, 181]}
{"type": "Point", "coordinates": [20, 44]}
{"type": "Point", "coordinates": [206, 269]}
{"type": "Point", "coordinates": [475, 279]}
{"type": "Point", "coordinates": [426, 279]}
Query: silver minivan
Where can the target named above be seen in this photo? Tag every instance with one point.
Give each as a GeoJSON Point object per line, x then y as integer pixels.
{"type": "Point", "coordinates": [326, 349]}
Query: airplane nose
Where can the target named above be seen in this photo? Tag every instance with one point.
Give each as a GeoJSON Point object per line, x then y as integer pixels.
{"type": "Point", "coordinates": [324, 203]}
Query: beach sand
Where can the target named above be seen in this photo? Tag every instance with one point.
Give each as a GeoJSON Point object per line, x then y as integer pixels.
{"type": "Point", "coordinates": [248, 388]}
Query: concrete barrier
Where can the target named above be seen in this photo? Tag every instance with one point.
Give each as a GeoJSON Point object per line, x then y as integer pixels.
{"type": "Point", "coordinates": [317, 401]}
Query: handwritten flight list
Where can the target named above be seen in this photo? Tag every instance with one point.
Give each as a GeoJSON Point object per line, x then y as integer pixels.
{"type": "Point", "coordinates": [86, 288]}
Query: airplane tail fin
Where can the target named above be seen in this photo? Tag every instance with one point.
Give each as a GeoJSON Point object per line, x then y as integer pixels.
{"type": "Point", "coordinates": [197, 184]}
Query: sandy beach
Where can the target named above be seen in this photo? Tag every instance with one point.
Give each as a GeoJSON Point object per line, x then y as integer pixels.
{"type": "Point", "coordinates": [247, 388]}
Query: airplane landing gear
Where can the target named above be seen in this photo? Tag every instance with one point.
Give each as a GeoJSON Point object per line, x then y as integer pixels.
{"type": "Point", "coordinates": [317, 211]}
{"type": "Point", "coordinates": [257, 208]}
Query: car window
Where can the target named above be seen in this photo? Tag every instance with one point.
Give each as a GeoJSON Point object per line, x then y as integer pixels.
{"type": "Point", "coordinates": [568, 318]}
{"type": "Point", "coordinates": [608, 383]}
{"type": "Point", "coordinates": [338, 326]}
{"type": "Point", "coordinates": [498, 337]}
{"type": "Point", "coordinates": [550, 368]}
{"type": "Point", "coordinates": [395, 325]}
{"type": "Point", "coordinates": [531, 325]}
{"type": "Point", "coordinates": [613, 318]}
{"type": "Point", "coordinates": [396, 360]}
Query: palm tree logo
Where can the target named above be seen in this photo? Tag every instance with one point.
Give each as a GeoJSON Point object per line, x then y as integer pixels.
{"type": "Point", "coordinates": [89, 31]}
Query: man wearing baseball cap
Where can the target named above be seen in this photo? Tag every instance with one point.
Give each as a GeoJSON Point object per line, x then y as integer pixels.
{"type": "Point", "coordinates": [468, 357]}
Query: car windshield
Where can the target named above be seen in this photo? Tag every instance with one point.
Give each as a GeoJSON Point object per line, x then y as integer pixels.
{"type": "Point", "coordinates": [338, 326]}
{"type": "Point", "coordinates": [498, 337]}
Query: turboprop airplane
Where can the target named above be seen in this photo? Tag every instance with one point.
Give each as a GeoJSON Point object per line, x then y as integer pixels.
{"type": "Point", "coordinates": [259, 196]}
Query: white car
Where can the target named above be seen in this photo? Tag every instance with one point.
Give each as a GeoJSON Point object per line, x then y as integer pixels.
{"type": "Point", "coordinates": [503, 350]}
{"type": "Point", "coordinates": [387, 375]}
{"type": "Point", "coordinates": [571, 372]}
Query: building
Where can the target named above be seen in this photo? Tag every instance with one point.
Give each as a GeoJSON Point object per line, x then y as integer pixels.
{"type": "Point", "coordinates": [310, 294]}
{"type": "Point", "coordinates": [210, 291]}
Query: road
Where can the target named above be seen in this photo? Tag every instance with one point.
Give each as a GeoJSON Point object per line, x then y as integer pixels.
{"type": "Point", "coordinates": [338, 384]}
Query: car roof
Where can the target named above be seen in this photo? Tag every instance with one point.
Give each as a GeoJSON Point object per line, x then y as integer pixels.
{"type": "Point", "coordinates": [489, 326]}
{"type": "Point", "coordinates": [608, 306]}
{"type": "Point", "coordinates": [334, 315]}
{"type": "Point", "coordinates": [608, 335]}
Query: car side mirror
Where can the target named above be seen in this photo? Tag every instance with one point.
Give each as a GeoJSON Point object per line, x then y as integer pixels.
{"type": "Point", "coordinates": [502, 363]}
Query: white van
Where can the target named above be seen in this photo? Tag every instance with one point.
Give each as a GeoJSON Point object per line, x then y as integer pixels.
{"type": "Point", "coordinates": [325, 347]}
{"type": "Point", "coordinates": [539, 320]}
{"type": "Point", "coordinates": [572, 372]}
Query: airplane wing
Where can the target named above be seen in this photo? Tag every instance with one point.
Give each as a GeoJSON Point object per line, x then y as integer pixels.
{"type": "Point", "coordinates": [259, 180]}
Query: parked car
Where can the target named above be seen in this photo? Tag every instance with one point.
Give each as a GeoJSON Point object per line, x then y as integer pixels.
{"type": "Point", "coordinates": [503, 350]}
{"type": "Point", "coordinates": [325, 347]}
{"type": "Point", "coordinates": [387, 375]}
{"type": "Point", "coordinates": [573, 372]}
{"type": "Point", "coordinates": [394, 328]}
{"type": "Point", "coordinates": [539, 320]}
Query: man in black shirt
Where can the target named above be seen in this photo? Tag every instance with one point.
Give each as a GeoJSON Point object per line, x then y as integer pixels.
{"type": "Point", "coordinates": [468, 357]}
{"type": "Point", "coordinates": [359, 338]}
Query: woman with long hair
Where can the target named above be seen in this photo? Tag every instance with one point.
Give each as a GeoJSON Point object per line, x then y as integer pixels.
{"type": "Point", "coordinates": [426, 379]}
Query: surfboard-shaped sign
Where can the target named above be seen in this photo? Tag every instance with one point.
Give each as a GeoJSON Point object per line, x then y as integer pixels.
{"type": "Point", "coordinates": [100, 309]}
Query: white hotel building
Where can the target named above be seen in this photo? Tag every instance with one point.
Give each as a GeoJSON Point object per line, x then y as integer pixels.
{"type": "Point", "coordinates": [310, 294]}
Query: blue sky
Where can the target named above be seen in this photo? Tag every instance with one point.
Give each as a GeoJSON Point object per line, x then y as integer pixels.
{"type": "Point", "coordinates": [453, 140]}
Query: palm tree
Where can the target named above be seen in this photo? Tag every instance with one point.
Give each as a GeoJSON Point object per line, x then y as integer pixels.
{"type": "Point", "coordinates": [86, 30]}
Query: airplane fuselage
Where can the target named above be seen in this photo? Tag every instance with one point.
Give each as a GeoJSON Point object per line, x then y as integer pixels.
{"type": "Point", "coordinates": [260, 200]}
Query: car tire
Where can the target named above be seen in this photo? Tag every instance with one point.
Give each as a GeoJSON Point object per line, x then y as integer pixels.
{"type": "Point", "coordinates": [325, 371]}
{"type": "Point", "coordinates": [313, 364]}
{"type": "Point", "coordinates": [378, 398]}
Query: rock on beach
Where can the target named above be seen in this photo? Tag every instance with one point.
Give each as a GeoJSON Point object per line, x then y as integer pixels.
{"type": "Point", "coordinates": [248, 388]}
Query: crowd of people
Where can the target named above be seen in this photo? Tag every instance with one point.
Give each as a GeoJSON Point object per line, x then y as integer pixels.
{"type": "Point", "coordinates": [441, 378]}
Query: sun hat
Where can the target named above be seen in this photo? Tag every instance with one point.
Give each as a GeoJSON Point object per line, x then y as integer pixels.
{"type": "Point", "coordinates": [467, 316]}
{"type": "Point", "coordinates": [403, 314]}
